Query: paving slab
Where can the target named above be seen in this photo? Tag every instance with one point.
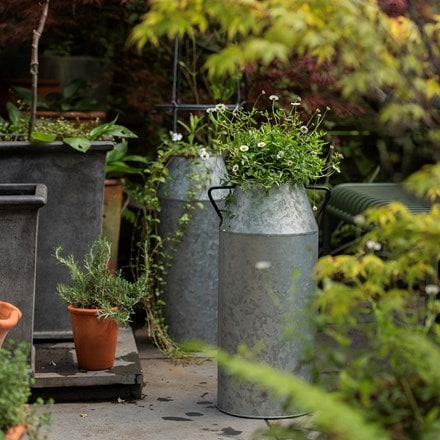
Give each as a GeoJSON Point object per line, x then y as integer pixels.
{"type": "Point", "coordinates": [57, 375]}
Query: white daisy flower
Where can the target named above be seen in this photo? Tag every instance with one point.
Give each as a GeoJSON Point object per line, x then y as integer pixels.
{"type": "Point", "coordinates": [261, 144]}
{"type": "Point", "coordinates": [274, 98]}
{"type": "Point", "coordinates": [244, 148]}
{"type": "Point", "coordinates": [432, 289]}
{"type": "Point", "coordinates": [373, 245]}
{"type": "Point", "coordinates": [176, 137]}
{"type": "Point", "coordinates": [220, 107]}
{"type": "Point", "coordinates": [203, 154]}
{"type": "Point", "coordinates": [235, 168]}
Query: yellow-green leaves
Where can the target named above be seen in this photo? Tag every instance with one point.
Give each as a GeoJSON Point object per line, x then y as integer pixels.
{"type": "Point", "coordinates": [426, 182]}
{"type": "Point", "coordinates": [330, 413]}
{"type": "Point", "coordinates": [365, 49]}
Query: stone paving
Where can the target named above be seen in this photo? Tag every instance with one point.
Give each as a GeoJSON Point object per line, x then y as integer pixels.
{"type": "Point", "coordinates": [177, 402]}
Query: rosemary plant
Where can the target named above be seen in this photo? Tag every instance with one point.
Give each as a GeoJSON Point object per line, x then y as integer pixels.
{"type": "Point", "coordinates": [95, 287]}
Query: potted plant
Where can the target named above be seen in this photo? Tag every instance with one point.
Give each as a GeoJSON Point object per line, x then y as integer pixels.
{"type": "Point", "coordinates": [16, 416]}
{"type": "Point", "coordinates": [73, 103]}
{"type": "Point", "coordinates": [377, 353]}
{"type": "Point", "coordinates": [119, 164]}
{"type": "Point", "coordinates": [99, 300]}
{"type": "Point", "coordinates": [183, 230]}
{"type": "Point", "coordinates": [51, 152]}
{"type": "Point", "coordinates": [75, 182]}
{"type": "Point", "coordinates": [268, 240]}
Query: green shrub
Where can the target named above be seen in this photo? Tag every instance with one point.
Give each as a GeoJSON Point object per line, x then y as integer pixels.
{"type": "Point", "coordinates": [15, 391]}
{"type": "Point", "coordinates": [15, 385]}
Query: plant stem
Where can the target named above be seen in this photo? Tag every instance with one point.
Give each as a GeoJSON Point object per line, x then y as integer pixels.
{"type": "Point", "coordinates": [34, 65]}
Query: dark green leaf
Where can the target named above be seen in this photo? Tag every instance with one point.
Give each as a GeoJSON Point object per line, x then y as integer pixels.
{"type": "Point", "coordinates": [111, 129]}
{"type": "Point", "coordinates": [14, 113]}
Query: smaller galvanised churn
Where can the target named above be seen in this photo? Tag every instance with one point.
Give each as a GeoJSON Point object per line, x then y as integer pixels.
{"type": "Point", "coordinates": [191, 279]}
{"type": "Point", "coordinates": [268, 246]}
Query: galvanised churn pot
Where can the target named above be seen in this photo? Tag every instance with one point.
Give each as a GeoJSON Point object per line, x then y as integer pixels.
{"type": "Point", "coordinates": [268, 246]}
{"type": "Point", "coordinates": [191, 280]}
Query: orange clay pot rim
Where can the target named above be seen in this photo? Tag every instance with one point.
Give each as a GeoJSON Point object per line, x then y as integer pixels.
{"type": "Point", "coordinates": [9, 314]}
{"type": "Point", "coordinates": [16, 431]}
{"type": "Point", "coordinates": [81, 311]}
{"type": "Point", "coordinates": [72, 114]}
{"type": "Point", "coordinates": [113, 182]}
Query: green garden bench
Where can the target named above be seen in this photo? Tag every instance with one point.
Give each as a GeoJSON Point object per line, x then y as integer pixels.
{"type": "Point", "coordinates": [347, 200]}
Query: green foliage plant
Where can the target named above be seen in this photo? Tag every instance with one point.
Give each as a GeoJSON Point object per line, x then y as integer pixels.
{"type": "Point", "coordinates": [94, 286]}
{"type": "Point", "coordinates": [15, 391]}
{"type": "Point", "coordinates": [77, 135]}
{"type": "Point", "coordinates": [72, 98]}
{"type": "Point", "coordinates": [273, 147]}
{"type": "Point", "coordinates": [379, 309]}
{"type": "Point", "coordinates": [15, 386]}
{"type": "Point", "coordinates": [119, 163]}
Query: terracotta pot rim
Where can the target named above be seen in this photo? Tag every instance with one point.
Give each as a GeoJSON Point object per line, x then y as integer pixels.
{"type": "Point", "coordinates": [72, 114]}
{"type": "Point", "coordinates": [9, 315]}
{"type": "Point", "coordinates": [15, 432]}
{"type": "Point", "coordinates": [82, 311]}
{"type": "Point", "coordinates": [113, 182]}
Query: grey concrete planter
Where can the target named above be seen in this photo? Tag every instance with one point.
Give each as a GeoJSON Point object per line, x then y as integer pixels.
{"type": "Point", "coordinates": [72, 217]}
{"type": "Point", "coordinates": [19, 209]}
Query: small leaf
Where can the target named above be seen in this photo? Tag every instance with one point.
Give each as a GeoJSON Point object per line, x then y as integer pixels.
{"type": "Point", "coordinates": [111, 129]}
{"type": "Point", "coordinates": [38, 136]}
{"type": "Point", "coordinates": [78, 143]}
{"type": "Point", "coordinates": [14, 113]}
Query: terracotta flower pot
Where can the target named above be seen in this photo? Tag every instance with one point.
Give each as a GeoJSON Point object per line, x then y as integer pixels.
{"type": "Point", "coordinates": [15, 432]}
{"type": "Point", "coordinates": [9, 317]}
{"type": "Point", "coordinates": [95, 339]}
{"type": "Point", "coordinates": [115, 201]}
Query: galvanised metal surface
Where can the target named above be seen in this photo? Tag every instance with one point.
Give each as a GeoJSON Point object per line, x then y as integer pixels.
{"type": "Point", "coordinates": [19, 210]}
{"type": "Point", "coordinates": [267, 251]}
{"type": "Point", "coordinates": [72, 217]}
{"type": "Point", "coordinates": [191, 282]}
